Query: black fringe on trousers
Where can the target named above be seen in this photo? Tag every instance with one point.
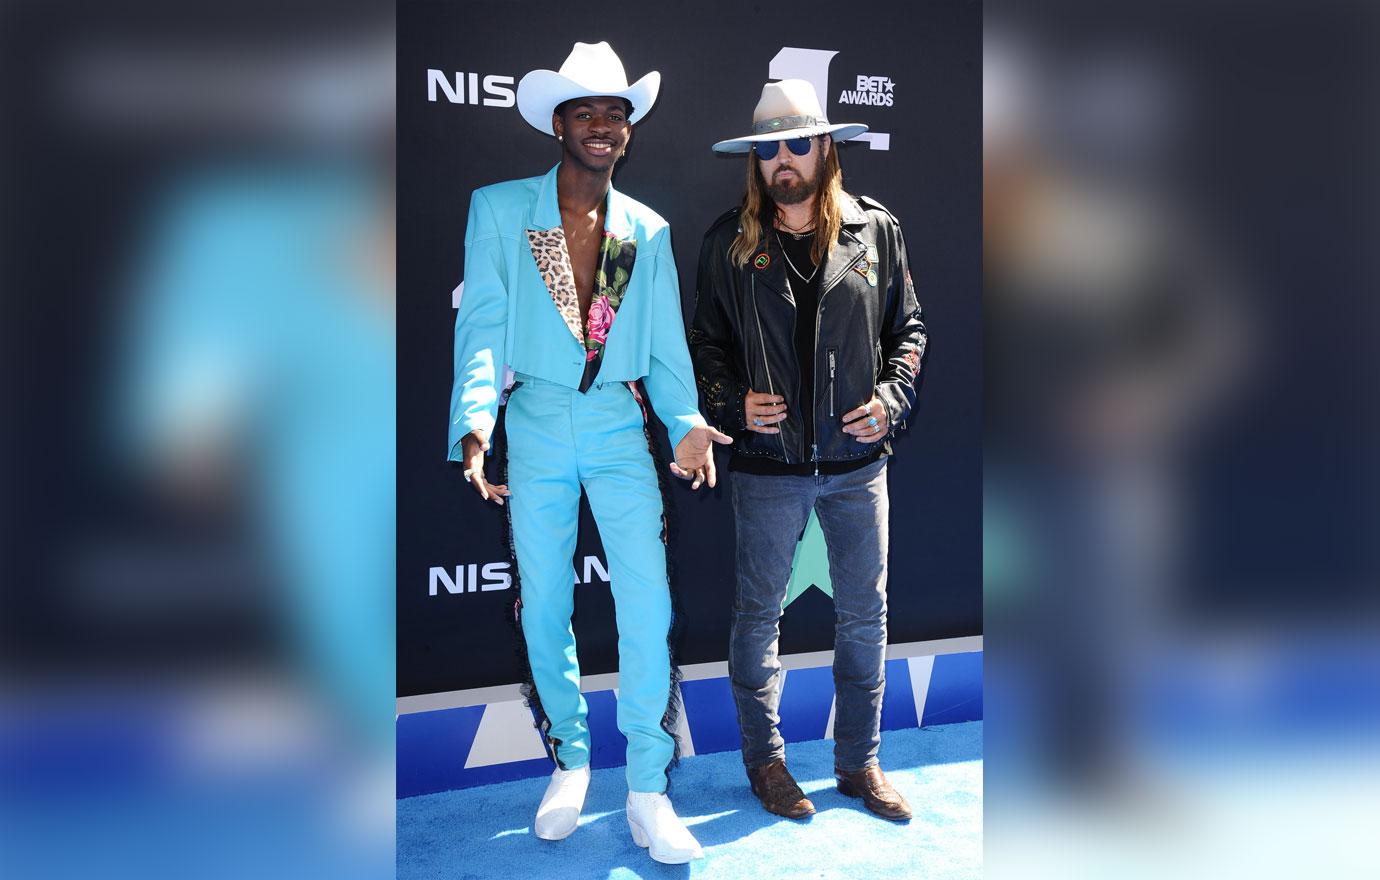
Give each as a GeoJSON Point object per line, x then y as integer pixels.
{"type": "Point", "coordinates": [670, 720]}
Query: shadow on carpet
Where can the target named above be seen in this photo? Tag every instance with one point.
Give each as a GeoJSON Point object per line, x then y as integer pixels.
{"type": "Point", "coordinates": [486, 832]}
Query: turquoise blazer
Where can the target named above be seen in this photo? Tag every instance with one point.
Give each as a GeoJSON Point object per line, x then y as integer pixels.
{"type": "Point", "coordinates": [508, 314]}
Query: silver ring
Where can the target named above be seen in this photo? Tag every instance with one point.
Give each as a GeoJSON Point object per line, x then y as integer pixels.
{"type": "Point", "coordinates": [872, 421]}
{"type": "Point", "coordinates": [757, 422]}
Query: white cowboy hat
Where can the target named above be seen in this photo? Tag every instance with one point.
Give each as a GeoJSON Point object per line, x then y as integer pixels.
{"type": "Point", "coordinates": [591, 69]}
{"type": "Point", "coordinates": [788, 109]}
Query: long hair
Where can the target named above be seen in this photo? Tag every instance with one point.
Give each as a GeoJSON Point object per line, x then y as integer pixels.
{"type": "Point", "coordinates": [759, 211]}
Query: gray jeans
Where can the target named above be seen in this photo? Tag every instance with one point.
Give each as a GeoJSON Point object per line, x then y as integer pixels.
{"type": "Point", "coordinates": [770, 515]}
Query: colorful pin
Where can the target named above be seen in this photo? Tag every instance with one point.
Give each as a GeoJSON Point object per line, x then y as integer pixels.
{"type": "Point", "coordinates": [872, 277]}
{"type": "Point", "coordinates": [762, 261]}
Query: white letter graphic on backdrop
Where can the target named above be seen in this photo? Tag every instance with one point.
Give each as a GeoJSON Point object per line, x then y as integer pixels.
{"type": "Point", "coordinates": [442, 576]}
{"type": "Point", "coordinates": [454, 94]}
{"type": "Point", "coordinates": [812, 65]}
{"type": "Point", "coordinates": [494, 85]}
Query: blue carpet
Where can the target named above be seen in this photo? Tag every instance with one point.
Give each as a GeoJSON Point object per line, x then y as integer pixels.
{"type": "Point", "coordinates": [485, 832]}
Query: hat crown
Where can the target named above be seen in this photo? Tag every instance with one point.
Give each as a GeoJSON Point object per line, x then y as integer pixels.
{"type": "Point", "coordinates": [595, 66]}
{"type": "Point", "coordinates": [789, 108]}
{"type": "Point", "coordinates": [789, 97]}
{"type": "Point", "coordinates": [590, 70]}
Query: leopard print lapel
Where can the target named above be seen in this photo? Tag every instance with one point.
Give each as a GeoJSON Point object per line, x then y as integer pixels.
{"type": "Point", "coordinates": [553, 261]}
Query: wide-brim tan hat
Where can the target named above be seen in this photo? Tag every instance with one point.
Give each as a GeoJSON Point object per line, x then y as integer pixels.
{"type": "Point", "coordinates": [591, 69]}
{"type": "Point", "coordinates": [789, 109]}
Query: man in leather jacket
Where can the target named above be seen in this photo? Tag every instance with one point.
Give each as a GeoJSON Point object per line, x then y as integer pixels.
{"type": "Point", "coordinates": [807, 341]}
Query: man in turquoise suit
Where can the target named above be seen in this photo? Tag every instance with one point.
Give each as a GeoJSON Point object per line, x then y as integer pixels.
{"type": "Point", "coordinates": [573, 286]}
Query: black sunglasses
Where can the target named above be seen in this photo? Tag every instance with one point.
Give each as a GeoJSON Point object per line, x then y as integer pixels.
{"type": "Point", "coordinates": [767, 149]}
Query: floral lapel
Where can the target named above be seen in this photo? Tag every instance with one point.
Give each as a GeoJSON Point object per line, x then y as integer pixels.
{"type": "Point", "coordinates": [616, 258]}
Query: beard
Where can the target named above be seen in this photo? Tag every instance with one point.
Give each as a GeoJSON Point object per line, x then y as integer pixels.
{"type": "Point", "coordinates": [795, 190]}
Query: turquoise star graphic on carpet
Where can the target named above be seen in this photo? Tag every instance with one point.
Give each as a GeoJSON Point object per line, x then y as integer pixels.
{"type": "Point", "coordinates": [810, 567]}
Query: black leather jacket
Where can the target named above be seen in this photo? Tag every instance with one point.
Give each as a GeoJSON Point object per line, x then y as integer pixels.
{"type": "Point", "coordinates": [871, 338]}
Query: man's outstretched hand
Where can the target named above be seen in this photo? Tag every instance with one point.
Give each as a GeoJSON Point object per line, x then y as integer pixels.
{"type": "Point", "coordinates": [695, 455]}
{"type": "Point", "coordinates": [473, 446]}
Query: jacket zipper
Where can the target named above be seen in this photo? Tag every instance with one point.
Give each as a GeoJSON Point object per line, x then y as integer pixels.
{"type": "Point", "coordinates": [814, 383]}
{"type": "Point", "coordinates": [771, 388]}
{"type": "Point", "coordinates": [832, 391]}
{"type": "Point", "coordinates": [814, 370]}
{"type": "Point", "coordinates": [819, 313]}
{"type": "Point", "coordinates": [814, 361]}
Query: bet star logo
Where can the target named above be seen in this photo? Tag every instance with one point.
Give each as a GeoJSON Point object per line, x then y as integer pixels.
{"type": "Point", "coordinates": [876, 91]}
{"type": "Point", "coordinates": [812, 65]}
{"type": "Point", "coordinates": [810, 567]}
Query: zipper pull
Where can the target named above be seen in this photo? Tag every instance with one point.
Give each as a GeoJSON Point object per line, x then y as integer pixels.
{"type": "Point", "coordinates": [814, 456]}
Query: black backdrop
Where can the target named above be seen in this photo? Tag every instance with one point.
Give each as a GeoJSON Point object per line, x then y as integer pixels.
{"type": "Point", "coordinates": [458, 65]}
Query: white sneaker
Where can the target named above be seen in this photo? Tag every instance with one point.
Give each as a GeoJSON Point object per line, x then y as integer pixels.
{"type": "Point", "coordinates": [559, 812]}
{"type": "Point", "coordinates": [655, 826]}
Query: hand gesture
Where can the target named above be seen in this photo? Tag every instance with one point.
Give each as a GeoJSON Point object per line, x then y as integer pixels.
{"type": "Point", "coordinates": [695, 455]}
{"type": "Point", "coordinates": [473, 446]}
{"type": "Point", "coordinates": [868, 423]}
{"type": "Point", "coordinates": [763, 411]}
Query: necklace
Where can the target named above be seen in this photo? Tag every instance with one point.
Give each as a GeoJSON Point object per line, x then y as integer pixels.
{"type": "Point", "coordinates": [797, 233]}
{"type": "Point", "coordinates": [798, 273]}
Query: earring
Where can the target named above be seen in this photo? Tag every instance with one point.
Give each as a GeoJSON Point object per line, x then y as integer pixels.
{"type": "Point", "coordinates": [560, 137]}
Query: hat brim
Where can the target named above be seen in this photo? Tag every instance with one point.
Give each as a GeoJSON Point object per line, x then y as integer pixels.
{"type": "Point", "coordinates": [840, 132]}
{"type": "Point", "coordinates": [541, 91]}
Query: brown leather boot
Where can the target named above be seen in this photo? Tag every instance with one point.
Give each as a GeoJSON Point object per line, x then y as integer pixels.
{"type": "Point", "coordinates": [778, 792]}
{"type": "Point", "coordinates": [876, 793]}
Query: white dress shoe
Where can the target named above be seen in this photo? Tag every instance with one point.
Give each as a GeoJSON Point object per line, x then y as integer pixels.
{"type": "Point", "coordinates": [655, 826]}
{"type": "Point", "coordinates": [559, 812]}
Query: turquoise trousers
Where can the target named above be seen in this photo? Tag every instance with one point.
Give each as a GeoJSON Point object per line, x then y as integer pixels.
{"type": "Point", "coordinates": [558, 441]}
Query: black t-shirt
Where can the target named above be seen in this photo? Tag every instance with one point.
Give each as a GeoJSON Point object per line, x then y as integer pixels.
{"type": "Point", "coordinates": [802, 274]}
